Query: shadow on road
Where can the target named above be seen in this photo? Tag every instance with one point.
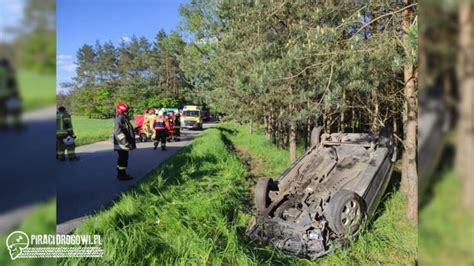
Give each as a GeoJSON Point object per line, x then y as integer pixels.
{"type": "Point", "coordinates": [27, 167]}
{"type": "Point", "coordinates": [86, 186]}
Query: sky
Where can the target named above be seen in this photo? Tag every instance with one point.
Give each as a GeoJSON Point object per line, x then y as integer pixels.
{"type": "Point", "coordinates": [82, 22]}
{"type": "Point", "coordinates": [11, 13]}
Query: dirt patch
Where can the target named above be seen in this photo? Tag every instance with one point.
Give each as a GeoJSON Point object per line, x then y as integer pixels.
{"type": "Point", "coordinates": [254, 165]}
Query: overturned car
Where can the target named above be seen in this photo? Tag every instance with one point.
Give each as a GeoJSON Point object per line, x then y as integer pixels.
{"type": "Point", "coordinates": [325, 196]}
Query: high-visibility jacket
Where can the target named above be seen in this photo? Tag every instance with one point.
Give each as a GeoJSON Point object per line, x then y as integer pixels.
{"type": "Point", "coordinates": [159, 123]}
{"type": "Point", "coordinates": [63, 125]}
{"type": "Point", "coordinates": [169, 124]}
{"type": "Point", "coordinates": [148, 121]}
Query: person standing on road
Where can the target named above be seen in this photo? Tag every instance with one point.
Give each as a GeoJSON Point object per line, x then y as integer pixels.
{"type": "Point", "coordinates": [124, 140]}
{"type": "Point", "coordinates": [10, 102]}
{"type": "Point", "coordinates": [177, 126]}
{"type": "Point", "coordinates": [160, 131]}
{"type": "Point", "coordinates": [65, 136]}
{"type": "Point", "coordinates": [148, 124]}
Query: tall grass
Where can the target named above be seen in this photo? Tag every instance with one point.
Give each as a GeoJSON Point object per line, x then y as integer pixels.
{"type": "Point", "coordinates": [194, 209]}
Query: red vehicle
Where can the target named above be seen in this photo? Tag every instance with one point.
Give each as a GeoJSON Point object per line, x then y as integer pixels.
{"type": "Point", "coordinates": [140, 134]}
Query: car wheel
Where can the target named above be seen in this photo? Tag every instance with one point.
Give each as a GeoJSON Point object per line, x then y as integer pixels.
{"type": "Point", "coordinates": [143, 137]}
{"type": "Point", "coordinates": [385, 137]}
{"type": "Point", "coordinates": [346, 213]}
{"type": "Point", "coordinates": [262, 199]}
{"type": "Point", "coordinates": [316, 136]}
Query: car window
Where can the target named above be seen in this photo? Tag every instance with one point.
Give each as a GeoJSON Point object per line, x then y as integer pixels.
{"type": "Point", "coordinates": [191, 113]}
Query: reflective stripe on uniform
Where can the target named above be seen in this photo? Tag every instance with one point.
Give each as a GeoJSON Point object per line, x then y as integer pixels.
{"type": "Point", "coordinates": [121, 167]}
{"type": "Point", "coordinates": [120, 147]}
{"type": "Point", "coordinates": [121, 136]}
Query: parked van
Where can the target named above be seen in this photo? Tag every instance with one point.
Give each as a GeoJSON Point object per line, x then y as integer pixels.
{"type": "Point", "coordinates": [191, 117]}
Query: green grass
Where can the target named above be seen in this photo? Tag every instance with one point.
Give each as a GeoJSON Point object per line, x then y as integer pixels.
{"type": "Point", "coordinates": [446, 230]}
{"type": "Point", "coordinates": [41, 221]}
{"type": "Point", "coordinates": [194, 209]}
{"type": "Point", "coordinates": [91, 130]}
{"type": "Point", "coordinates": [37, 90]}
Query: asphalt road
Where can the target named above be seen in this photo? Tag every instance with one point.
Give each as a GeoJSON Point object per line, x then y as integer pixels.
{"type": "Point", "coordinates": [27, 166]}
{"type": "Point", "coordinates": [86, 186]}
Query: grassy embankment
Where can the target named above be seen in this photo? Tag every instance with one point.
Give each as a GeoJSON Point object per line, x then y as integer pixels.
{"type": "Point", "coordinates": [42, 220]}
{"type": "Point", "coordinates": [36, 90]}
{"type": "Point", "coordinates": [196, 207]}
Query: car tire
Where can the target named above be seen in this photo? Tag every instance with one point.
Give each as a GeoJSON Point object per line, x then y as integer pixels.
{"type": "Point", "coordinates": [385, 137]}
{"type": "Point", "coordinates": [143, 137]}
{"type": "Point", "coordinates": [346, 213]}
{"type": "Point", "coordinates": [262, 199]}
{"type": "Point", "coordinates": [316, 136]}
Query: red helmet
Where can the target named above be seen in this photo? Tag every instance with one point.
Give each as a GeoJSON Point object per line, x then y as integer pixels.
{"type": "Point", "coordinates": [122, 108]}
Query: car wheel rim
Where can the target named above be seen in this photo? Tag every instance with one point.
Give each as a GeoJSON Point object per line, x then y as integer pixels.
{"type": "Point", "coordinates": [350, 216]}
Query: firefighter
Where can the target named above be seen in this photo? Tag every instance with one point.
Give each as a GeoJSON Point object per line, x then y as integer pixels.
{"type": "Point", "coordinates": [148, 124]}
{"type": "Point", "coordinates": [124, 140]}
{"type": "Point", "coordinates": [10, 102]}
{"type": "Point", "coordinates": [65, 136]}
{"type": "Point", "coordinates": [177, 126]}
{"type": "Point", "coordinates": [161, 132]}
{"type": "Point", "coordinates": [169, 125]}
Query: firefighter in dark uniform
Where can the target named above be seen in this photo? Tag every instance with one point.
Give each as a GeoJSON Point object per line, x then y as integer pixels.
{"type": "Point", "coordinates": [161, 133]}
{"type": "Point", "coordinates": [10, 102]}
{"type": "Point", "coordinates": [124, 140]}
{"type": "Point", "coordinates": [65, 136]}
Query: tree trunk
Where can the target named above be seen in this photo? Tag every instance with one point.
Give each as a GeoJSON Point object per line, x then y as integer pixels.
{"type": "Point", "coordinates": [410, 144]}
{"type": "Point", "coordinates": [292, 140]}
{"type": "Point", "coordinates": [307, 134]}
{"type": "Point", "coordinates": [465, 139]}
{"type": "Point", "coordinates": [376, 110]}
{"type": "Point", "coordinates": [343, 109]}
{"type": "Point", "coordinates": [272, 126]}
{"type": "Point", "coordinates": [266, 122]}
{"type": "Point", "coordinates": [353, 116]}
{"type": "Point", "coordinates": [281, 135]}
